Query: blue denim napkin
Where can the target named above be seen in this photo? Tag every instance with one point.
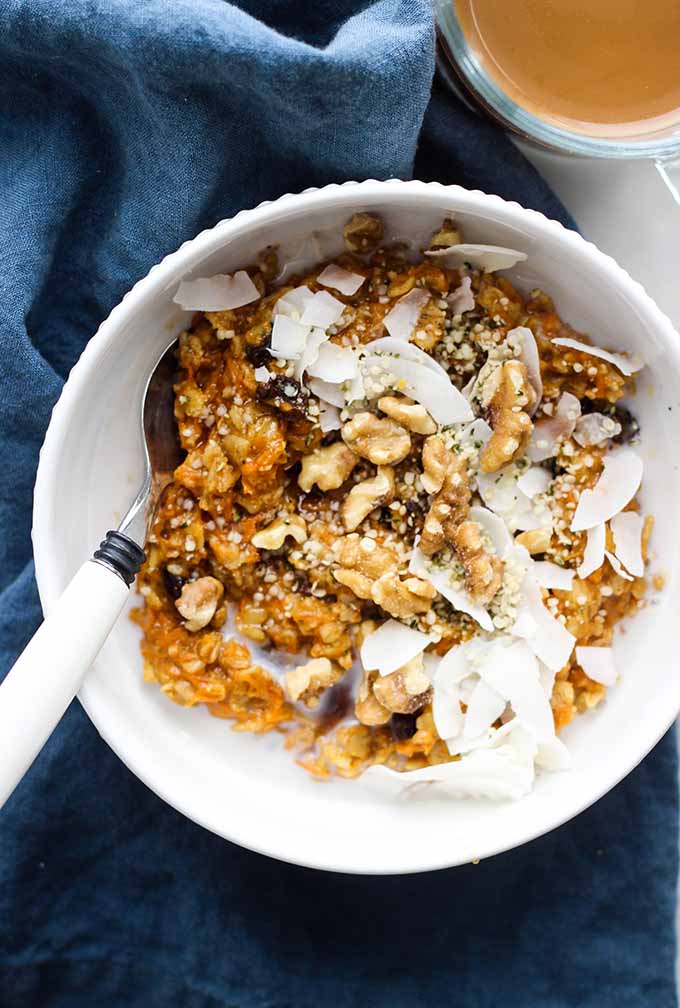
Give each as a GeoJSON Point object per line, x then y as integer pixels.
{"type": "Point", "coordinates": [126, 128]}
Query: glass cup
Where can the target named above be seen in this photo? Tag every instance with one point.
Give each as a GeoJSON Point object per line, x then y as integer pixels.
{"type": "Point", "coordinates": [462, 70]}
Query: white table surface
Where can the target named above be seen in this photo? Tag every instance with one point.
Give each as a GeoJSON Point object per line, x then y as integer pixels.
{"type": "Point", "coordinates": [625, 208]}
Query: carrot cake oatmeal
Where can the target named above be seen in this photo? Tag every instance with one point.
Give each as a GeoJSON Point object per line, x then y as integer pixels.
{"type": "Point", "coordinates": [406, 524]}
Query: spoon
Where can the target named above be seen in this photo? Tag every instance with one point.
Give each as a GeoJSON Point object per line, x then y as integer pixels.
{"type": "Point", "coordinates": [49, 672]}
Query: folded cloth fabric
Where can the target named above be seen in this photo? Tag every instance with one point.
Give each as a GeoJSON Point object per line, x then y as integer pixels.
{"type": "Point", "coordinates": [125, 129]}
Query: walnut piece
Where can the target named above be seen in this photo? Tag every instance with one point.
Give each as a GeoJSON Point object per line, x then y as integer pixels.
{"type": "Point", "coordinates": [483, 572]}
{"type": "Point", "coordinates": [410, 415]}
{"type": "Point", "coordinates": [447, 235]}
{"type": "Point", "coordinates": [448, 509]}
{"type": "Point", "coordinates": [362, 233]}
{"type": "Point", "coordinates": [535, 540]}
{"type": "Point", "coordinates": [273, 536]}
{"type": "Point", "coordinates": [356, 582]}
{"type": "Point", "coordinates": [406, 690]}
{"type": "Point", "coordinates": [508, 416]}
{"type": "Point", "coordinates": [368, 709]}
{"type": "Point", "coordinates": [381, 441]}
{"type": "Point", "coordinates": [327, 467]}
{"type": "Point", "coordinates": [307, 682]}
{"type": "Point", "coordinates": [402, 598]}
{"type": "Point", "coordinates": [362, 560]}
{"type": "Point", "coordinates": [198, 602]}
{"type": "Point", "coordinates": [364, 497]}
{"type": "Point", "coordinates": [436, 459]}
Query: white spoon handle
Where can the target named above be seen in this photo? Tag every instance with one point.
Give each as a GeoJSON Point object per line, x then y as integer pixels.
{"type": "Point", "coordinates": [49, 672]}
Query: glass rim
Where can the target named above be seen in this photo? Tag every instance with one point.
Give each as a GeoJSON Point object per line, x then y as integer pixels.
{"type": "Point", "coordinates": [458, 64]}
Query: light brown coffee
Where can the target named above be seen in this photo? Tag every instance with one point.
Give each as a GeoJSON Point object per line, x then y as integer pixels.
{"type": "Point", "coordinates": [594, 66]}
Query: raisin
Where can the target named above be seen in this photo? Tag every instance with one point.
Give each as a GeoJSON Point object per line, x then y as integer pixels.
{"type": "Point", "coordinates": [173, 583]}
{"type": "Point", "coordinates": [630, 428]}
{"type": "Point", "coordinates": [403, 726]}
{"type": "Point", "coordinates": [284, 393]}
{"type": "Point", "coordinates": [260, 355]}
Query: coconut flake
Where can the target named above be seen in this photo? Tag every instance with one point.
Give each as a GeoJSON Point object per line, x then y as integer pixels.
{"type": "Point", "coordinates": [446, 712]}
{"type": "Point", "coordinates": [289, 338]}
{"type": "Point", "coordinates": [598, 664]}
{"type": "Point", "coordinates": [547, 637]}
{"type": "Point", "coordinates": [322, 310]}
{"type": "Point", "coordinates": [550, 575]}
{"type": "Point", "coordinates": [528, 354]}
{"type": "Point", "coordinates": [409, 351]}
{"type": "Point", "coordinates": [495, 528]}
{"type": "Point", "coordinates": [505, 772]}
{"type": "Point", "coordinates": [627, 529]}
{"type": "Point", "coordinates": [553, 755]}
{"type": "Point", "coordinates": [441, 399]}
{"type": "Point", "coordinates": [340, 279]}
{"type": "Point", "coordinates": [329, 393]}
{"type": "Point", "coordinates": [391, 646]}
{"type": "Point", "coordinates": [615, 488]}
{"type": "Point", "coordinates": [593, 555]}
{"type": "Point", "coordinates": [439, 579]}
{"type": "Point", "coordinates": [329, 417]}
{"type": "Point", "coordinates": [452, 668]}
{"type": "Point", "coordinates": [627, 364]}
{"type": "Point", "coordinates": [311, 351]}
{"type": "Point", "coordinates": [501, 493]}
{"type": "Point", "coordinates": [613, 560]}
{"type": "Point", "coordinates": [549, 431]}
{"type": "Point", "coordinates": [534, 481]}
{"type": "Point", "coordinates": [512, 673]}
{"type": "Point", "coordinates": [462, 299]}
{"type": "Point", "coordinates": [334, 364]}
{"type": "Point", "coordinates": [484, 707]}
{"type": "Point", "coordinates": [594, 428]}
{"type": "Point", "coordinates": [217, 293]}
{"type": "Point", "coordinates": [403, 318]}
{"type": "Point", "coordinates": [262, 374]}
{"type": "Point", "coordinates": [486, 257]}
{"type": "Point", "coordinates": [293, 303]}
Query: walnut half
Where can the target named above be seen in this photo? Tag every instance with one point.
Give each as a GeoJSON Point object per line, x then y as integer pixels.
{"type": "Point", "coordinates": [483, 572]}
{"type": "Point", "coordinates": [364, 497]}
{"type": "Point", "coordinates": [410, 415]}
{"type": "Point", "coordinates": [273, 536]}
{"type": "Point", "coordinates": [449, 507]}
{"type": "Point", "coordinates": [508, 411]}
{"type": "Point", "coordinates": [362, 561]}
{"type": "Point", "coordinates": [198, 602]}
{"type": "Point", "coordinates": [327, 467]}
{"type": "Point", "coordinates": [406, 690]}
{"type": "Point", "coordinates": [307, 682]}
{"type": "Point", "coordinates": [402, 598]}
{"type": "Point", "coordinates": [380, 440]}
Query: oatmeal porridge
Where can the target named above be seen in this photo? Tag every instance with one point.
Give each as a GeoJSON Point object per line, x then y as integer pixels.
{"type": "Point", "coordinates": [409, 491]}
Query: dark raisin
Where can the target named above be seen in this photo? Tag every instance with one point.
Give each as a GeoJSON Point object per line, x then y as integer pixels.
{"type": "Point", "coordinates": [173, 583]}
{"type": "Point", "coordinates": [630, 428]}
{"type": "Point", "coordinates": [329, 439]}
{"type": "Point", "coordinates": [416, 505]}
{"type": "Point", "coordinates": [403, 726]}
{"type": "Point", "coordinates": [284, 393]}
{"type": "Point", "coordinates": [553, 467]}
{"type": "Point", "coordinates": [259, 356]}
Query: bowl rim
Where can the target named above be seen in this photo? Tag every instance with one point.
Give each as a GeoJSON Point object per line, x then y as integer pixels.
{"type": "Point", "coordinates": [176, 264]}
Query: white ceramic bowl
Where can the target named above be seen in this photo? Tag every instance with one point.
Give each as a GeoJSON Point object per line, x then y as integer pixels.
{"type": "Point", "coordinates": [242, 787]}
